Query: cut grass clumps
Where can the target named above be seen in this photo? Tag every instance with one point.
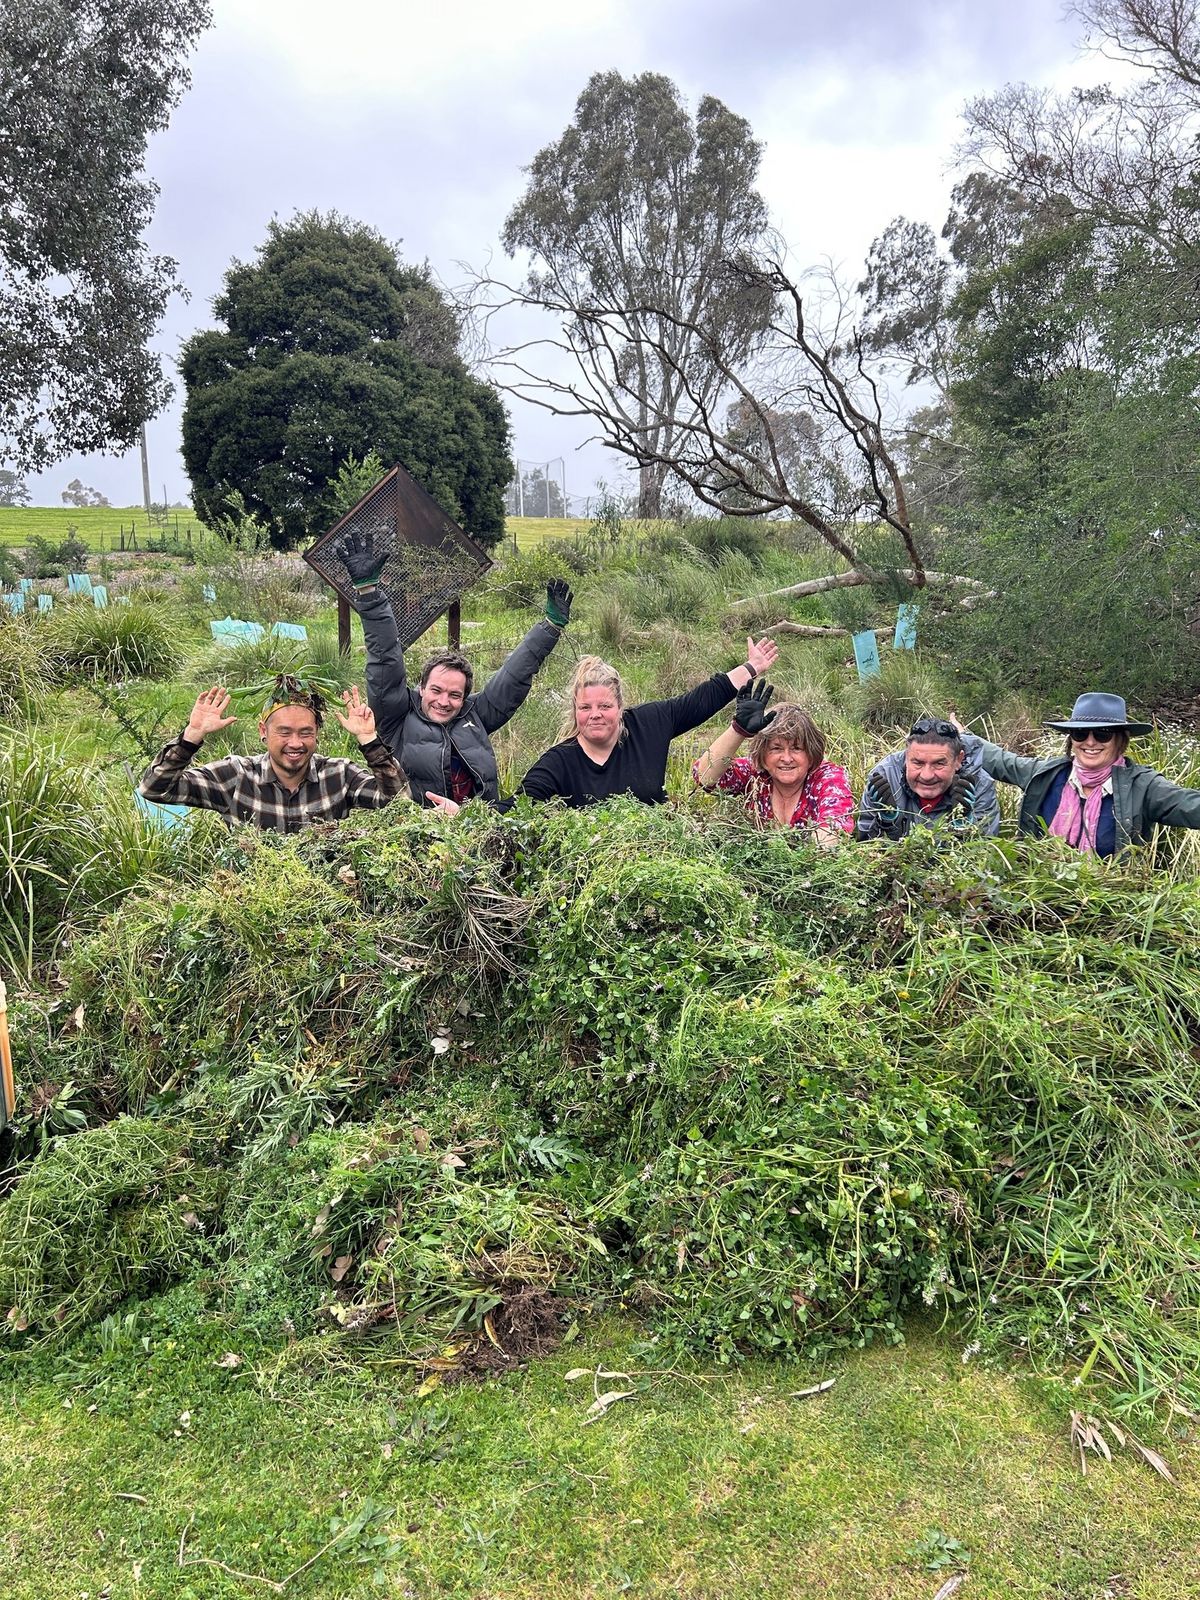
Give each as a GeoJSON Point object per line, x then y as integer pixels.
{"type": "Point", "coordinates": [113, 1211]}
{"type": "Point", "coordinates": [139, 640]}
{"type": "Point", "coordinates": [390, 1223]}
{"type": "Point", "coordinates": [793, 1095]}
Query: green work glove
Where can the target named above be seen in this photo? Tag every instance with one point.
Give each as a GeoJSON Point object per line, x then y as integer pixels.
{"type": "Point", "coordinates": [750, 714]}
{"type": "Point", "coordinates": [558, 602]}
{"type": "Point", "coordinates": [881, 796]}
{"type": "Point", "coordinates": [362, 561]}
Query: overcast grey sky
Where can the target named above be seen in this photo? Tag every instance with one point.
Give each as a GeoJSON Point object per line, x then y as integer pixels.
{"type": "Point", "coordinates": [417, 118]}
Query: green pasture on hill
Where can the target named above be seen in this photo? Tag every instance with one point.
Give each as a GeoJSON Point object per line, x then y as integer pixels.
{"type": "Point", "coordinates": [99, 527]}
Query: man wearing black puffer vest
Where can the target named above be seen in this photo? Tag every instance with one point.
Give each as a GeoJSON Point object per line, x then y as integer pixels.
{"type": "Point", "coordinates": [440, 731]}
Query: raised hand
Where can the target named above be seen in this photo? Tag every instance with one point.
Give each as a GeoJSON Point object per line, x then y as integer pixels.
{"type": "Point", "coordinates": [361, 560]}
{"type": "Point", "coordinates": [882, 797]}
{"type": "Point", "coordinates": [762, 655]}
{"type": "Point", "coordinates": [359, 719]}
{"type": "Point", "coordinates": [750, 714]}
{"type": "Point", "coordinates": [208, 715]}
{"type": "Point", "coordinates": [558, 602]}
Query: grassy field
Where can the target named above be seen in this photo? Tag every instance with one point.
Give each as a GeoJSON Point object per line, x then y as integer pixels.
{"type": "Point", "coordinates": [193, 1447]}
{"type": "Point", "coordinates": [99, 526]}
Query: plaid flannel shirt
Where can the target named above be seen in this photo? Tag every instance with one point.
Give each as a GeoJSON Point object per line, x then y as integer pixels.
{"type": "Point", "coordinates": [245, 788]}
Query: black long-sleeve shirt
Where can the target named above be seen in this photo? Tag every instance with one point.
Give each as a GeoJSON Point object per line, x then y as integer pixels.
{"type": "Point", "coordinates": [637, 765]}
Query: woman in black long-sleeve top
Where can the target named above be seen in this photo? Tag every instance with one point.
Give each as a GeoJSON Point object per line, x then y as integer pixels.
{"type": "Point", "coordinates": [605, 749]}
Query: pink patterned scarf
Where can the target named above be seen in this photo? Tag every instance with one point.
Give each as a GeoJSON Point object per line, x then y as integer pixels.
{"type": "Point", "coordinates": [1078, 815]}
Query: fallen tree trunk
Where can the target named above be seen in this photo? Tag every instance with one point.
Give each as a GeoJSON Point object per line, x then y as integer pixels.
{"type": "Point", "coordinates": [854, 580]}
{"type": "Point", "coordinates": [811, 630]}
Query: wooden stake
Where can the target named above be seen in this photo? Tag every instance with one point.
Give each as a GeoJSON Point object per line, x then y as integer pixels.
{"type": "Point", "coordinates": [8, 1091]}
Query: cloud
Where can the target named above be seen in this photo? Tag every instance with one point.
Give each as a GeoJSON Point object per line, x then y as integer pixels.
{"type": "Point", "coordinates": [419, 118]}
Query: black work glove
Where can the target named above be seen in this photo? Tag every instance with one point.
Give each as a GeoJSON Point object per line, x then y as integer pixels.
{"type": "Point", "coordinates": [558, 602]}
{"type": "Point", "coordinates": [362, 561]}
{"type": "Point", "coordinates": [882, 798]}
{"type": "Point", "coordinates": [962, 801]}
{"type": "Point", "coordinates": [750, 714]}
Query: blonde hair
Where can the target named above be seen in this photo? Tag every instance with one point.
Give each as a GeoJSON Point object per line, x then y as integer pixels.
{"type": "Point", "coordinates": [591, 673]}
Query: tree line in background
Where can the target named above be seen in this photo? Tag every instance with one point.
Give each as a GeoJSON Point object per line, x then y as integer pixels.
{"type": "Point", "coordinates": [1003, 415]}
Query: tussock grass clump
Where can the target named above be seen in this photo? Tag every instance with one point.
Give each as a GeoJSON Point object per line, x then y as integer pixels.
{"type": "Point", "coordinates": [905, 688]}
{"type": "Point", "coordinates": [23, 666]}
{"type": "Point", "coordinates": [71, 843]}
{"type": "Point", "coordinates": [106, 1213]}
{"type": "Point", "coordinates": [139, 640]}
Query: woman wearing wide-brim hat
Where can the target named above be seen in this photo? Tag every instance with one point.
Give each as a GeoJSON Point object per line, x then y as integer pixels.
{"type": "Point", "coordinates": [1092, 795]}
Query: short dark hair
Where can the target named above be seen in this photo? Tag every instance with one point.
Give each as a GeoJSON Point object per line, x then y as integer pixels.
{"type": "Point", "coordinates": [454, 661]}
{"type": "Point", "coordinates": [935, 730]}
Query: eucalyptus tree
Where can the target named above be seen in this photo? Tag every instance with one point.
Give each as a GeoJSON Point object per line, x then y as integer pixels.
{"type": "Point", "coordinates": [628, 219]}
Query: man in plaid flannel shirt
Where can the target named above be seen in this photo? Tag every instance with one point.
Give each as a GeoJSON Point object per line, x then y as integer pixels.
{"type": "Point", "coordinates": [288, 787]}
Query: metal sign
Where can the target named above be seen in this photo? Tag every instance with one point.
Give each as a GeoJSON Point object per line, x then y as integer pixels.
{"type": "Point", "coordinates": [429, 560]}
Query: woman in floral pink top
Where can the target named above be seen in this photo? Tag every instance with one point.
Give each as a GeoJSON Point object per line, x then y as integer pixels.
{"type": "Point", "coordinates": [784, 777]}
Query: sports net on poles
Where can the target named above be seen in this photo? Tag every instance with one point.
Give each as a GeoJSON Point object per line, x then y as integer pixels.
{"type": "Point", "coordinates": [429, 563]}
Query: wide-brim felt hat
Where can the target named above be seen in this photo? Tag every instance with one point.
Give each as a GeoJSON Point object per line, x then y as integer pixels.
{"type": "Point", "coordinates": [1099, 710]}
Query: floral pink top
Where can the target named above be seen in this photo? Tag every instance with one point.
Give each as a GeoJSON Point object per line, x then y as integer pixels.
{"type": "Point", "coordinates": [825, 800]}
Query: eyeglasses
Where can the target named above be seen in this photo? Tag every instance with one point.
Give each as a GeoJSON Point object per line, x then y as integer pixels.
{"type": "Point", "coordinates": [944, 730]}
{"type": "Point", "coordinates": [1100, 735]}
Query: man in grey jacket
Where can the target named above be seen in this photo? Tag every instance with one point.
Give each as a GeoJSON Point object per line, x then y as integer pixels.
{"type": "Point", "coordinates": [440, 731]}
{"type": "Point", "coordinates": [932, 780]}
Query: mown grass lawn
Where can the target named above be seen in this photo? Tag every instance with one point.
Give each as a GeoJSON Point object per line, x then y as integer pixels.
{"type": "Point", "coordinates": [710, 1484]}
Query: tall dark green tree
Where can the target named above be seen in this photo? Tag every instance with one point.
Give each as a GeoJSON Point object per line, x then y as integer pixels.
{"type": "Point", "coordinates": [629, 218]}
{"type": "Point", "coordinates": [83, 84]}
{"type": "Point", "coordinates": [332, 348]}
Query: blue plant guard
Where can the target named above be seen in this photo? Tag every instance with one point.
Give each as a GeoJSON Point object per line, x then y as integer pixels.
{"type": "Point", "coordinates": [26, 585]}
{"type": "Point", "coordinates": [290, 630]}
{"type": "Point", "coordinates": [165, 816]}
{"type": "Point", "coordinates": [15, 602]}
{"type": "Point", "coordinates": [45, 602]}
{"type": "Point", "coordinates": [232, 628]}
{"type": "Point", "coordinates": [866, 655]}
{"type": "Point", "coordinates": [210, 594]}
{"type": "Point", "coordinates": [99, 596]}
{"type": "Point", "coordinates": [78, 583]}
{"type": "Point", "coordinates": [906, 626]}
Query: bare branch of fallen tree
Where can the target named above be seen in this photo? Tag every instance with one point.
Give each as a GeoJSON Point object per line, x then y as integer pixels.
{"type": "Point", "coordinates": [854, 580]}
